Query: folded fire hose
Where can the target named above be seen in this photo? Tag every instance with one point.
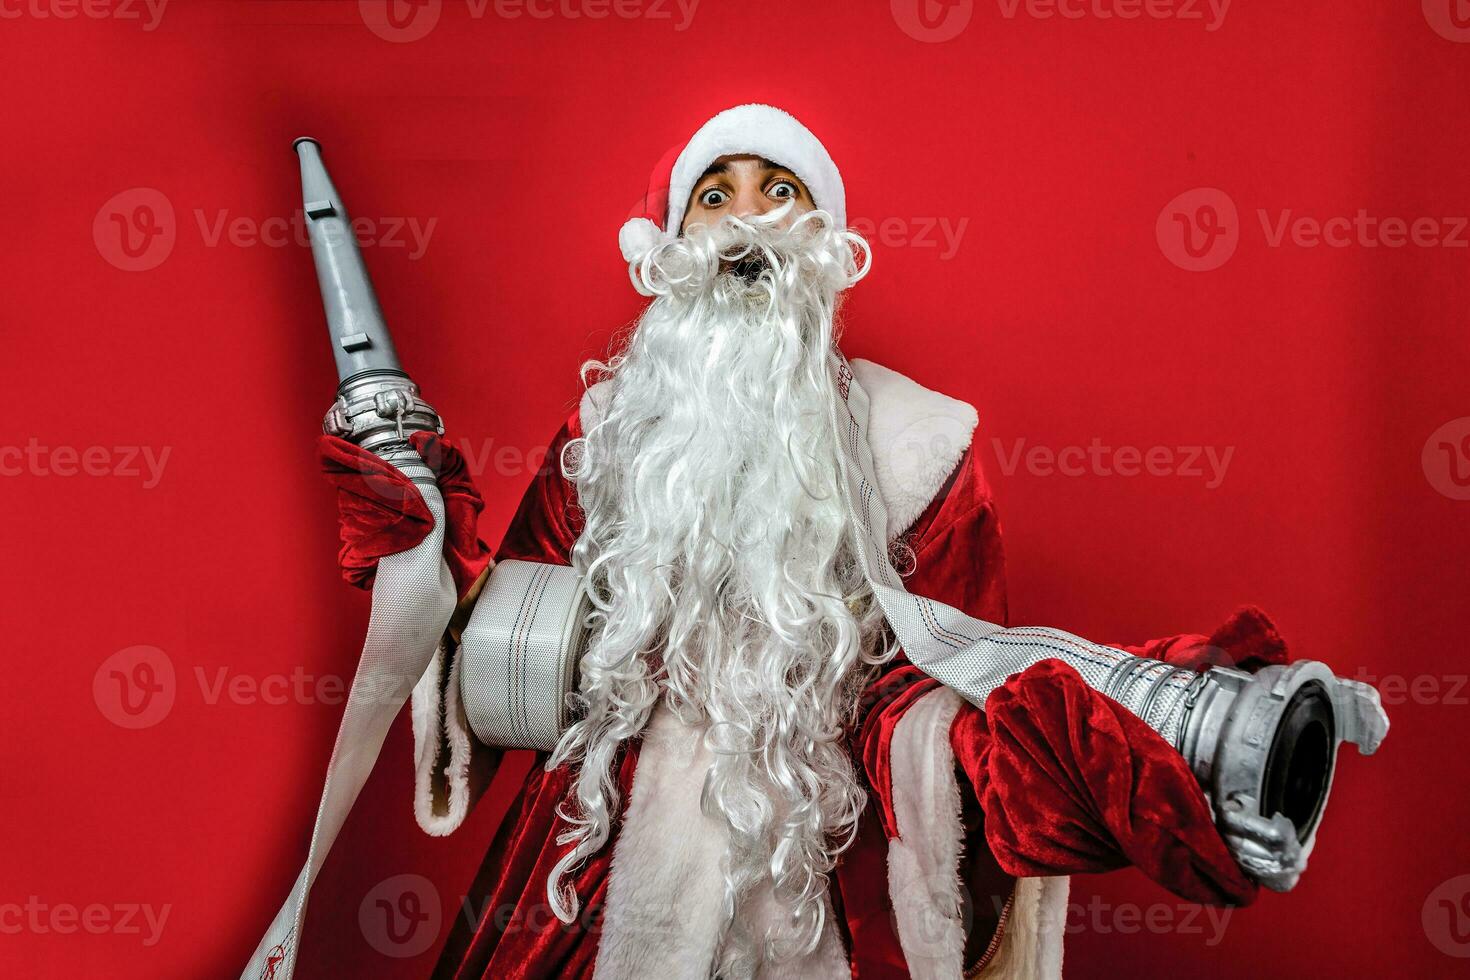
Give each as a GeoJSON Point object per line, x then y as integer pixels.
{"type": "Point", "coordinates": [1263, 746]}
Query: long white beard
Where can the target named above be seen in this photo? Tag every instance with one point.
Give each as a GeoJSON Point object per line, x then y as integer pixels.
{"type": "Point", "coordinates": [716, 548]}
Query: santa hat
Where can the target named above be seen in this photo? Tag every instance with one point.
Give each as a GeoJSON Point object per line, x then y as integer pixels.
{"type": "Point", "coordinates": [759, 130]}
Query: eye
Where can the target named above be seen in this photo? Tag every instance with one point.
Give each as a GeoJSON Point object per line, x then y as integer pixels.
{"type": "Point", "coordinates": [783, 189]}
{"type": "Point", "coordinates": [713, 197]}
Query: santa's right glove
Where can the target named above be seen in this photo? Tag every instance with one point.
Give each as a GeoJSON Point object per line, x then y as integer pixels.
{"type": "Point", "coordinates": [380, 512]}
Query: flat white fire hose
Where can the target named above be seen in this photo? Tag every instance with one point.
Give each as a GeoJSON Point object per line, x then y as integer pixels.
{"type": "Point", "coordinates": [413, 599]}
{"type": "Point", "coordinates": [526, 635]}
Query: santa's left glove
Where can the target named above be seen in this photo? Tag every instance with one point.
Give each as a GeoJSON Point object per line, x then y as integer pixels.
{"type": "Point", "coordinates": [1073, 782]}
{"type": "Point", "coordinates": [380, 512]}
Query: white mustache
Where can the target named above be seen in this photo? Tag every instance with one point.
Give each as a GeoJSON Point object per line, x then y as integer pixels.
{"type": "Point", "coordinates": [776, 247]}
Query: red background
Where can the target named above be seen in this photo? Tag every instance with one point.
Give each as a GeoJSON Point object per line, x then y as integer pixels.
{"type": "Point", "coordinates": [1060, 317]}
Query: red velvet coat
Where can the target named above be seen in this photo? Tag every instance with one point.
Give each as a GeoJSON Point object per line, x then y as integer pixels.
{"type": "Point", "coordinates": [1054, 778]}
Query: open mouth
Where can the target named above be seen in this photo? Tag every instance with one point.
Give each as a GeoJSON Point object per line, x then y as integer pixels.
{"type": "Point", "coordinates": [748, 269]}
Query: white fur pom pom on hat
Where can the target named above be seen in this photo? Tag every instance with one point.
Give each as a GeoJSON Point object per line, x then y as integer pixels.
{"type": "Point", "coordinates": [754, 128]}
{"type": "Point", "coordinates": [637, 237]}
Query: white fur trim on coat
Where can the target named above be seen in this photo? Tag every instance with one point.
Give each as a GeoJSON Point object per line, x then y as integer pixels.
{"type": "Point", "coordinates": [442, 748]}
{"type": "Point", "coordinates": [1031, 943]}
{"type": "Point", "coordinates": [665, 888]}
{"type": "Point", "coordinates": [917, 436]}
{"type": "Point", "coordinates": [924, 863]}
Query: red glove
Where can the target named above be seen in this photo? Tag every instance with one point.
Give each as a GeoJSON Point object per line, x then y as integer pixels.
{"type": "Point", "coordinates": [1071, 781]}
{"type": "Point", "coordinates": [1247, 641]}
{"type": "Point", "coordinates": [380, 512]}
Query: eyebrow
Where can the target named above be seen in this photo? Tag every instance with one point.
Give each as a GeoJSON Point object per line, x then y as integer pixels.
{"type": "Point", "coordinates": [720, 168]}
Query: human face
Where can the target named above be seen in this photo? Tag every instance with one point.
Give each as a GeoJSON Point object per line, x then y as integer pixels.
{"type": "Point", "coordinates": [743, 185]}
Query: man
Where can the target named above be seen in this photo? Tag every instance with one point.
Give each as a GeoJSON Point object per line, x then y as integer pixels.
{"type": "Point", "coordinates": [758, 783]}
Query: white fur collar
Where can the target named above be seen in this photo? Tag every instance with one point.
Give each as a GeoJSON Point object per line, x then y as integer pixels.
{"type": "Point", "coordinates": [917, 436]}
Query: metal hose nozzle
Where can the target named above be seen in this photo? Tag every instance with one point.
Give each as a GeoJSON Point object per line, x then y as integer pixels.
{"type": "Point", "coordinates": [377, 404]}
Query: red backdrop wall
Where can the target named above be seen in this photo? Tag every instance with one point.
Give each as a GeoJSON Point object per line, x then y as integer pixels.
{"type": "Point", "coordinates": [1298, 316]}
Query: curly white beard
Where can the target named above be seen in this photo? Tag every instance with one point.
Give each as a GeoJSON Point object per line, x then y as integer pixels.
{"type": "Point", "coordinates": [716, 550]}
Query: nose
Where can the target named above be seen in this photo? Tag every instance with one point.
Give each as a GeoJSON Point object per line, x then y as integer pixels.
{"type": "Point", "coordinates": [751, 201]}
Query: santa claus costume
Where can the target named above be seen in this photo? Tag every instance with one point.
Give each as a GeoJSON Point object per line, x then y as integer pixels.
{"type": "Point", "coordinates": [696, 823]}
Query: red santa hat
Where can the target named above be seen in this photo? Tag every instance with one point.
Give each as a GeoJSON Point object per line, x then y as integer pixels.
{"type": "Point", "coordinates": [760, 130]}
